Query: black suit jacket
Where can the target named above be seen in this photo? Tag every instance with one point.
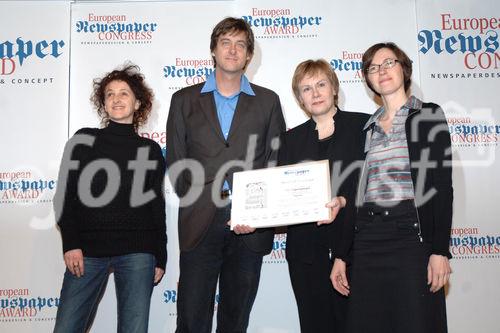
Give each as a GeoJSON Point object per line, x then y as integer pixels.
{"type": "Point", "coordinates": [194, 132]}
{"type": "Point", "coordinates": [301, 144]}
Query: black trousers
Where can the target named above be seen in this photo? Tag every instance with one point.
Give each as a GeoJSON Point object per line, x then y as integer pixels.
{"type": "Point", "coordinates": [321, 308]}
{"type": "Point", "coordinates": [389, 291]}
{"type": "Point", "coordinates": [224, 257]}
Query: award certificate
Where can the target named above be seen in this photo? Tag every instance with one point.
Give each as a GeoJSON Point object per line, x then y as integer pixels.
{"type": "Point", "coordinates": [281, 195]}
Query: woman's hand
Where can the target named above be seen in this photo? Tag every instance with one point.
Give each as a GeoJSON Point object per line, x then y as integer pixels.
{"type": "Point", "coordinates": [338, 277]}
{"type": "Point", "coordinates": [159, 272]}
{"type": "Point", "coordinates": [74, 261]}
{"type": "Point", "coordinates": [335, 205]}
{"type": "Point", "coordinates": [438, 272]}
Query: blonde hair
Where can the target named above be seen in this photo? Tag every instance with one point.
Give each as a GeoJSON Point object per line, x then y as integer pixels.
{"type": "Point", "coordinates": [310, 68]}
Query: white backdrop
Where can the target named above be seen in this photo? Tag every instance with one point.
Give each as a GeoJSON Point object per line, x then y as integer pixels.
{"type": "Point", "coordinates": [454, 48]}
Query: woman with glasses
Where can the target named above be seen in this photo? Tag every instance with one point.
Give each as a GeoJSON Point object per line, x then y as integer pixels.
{"type": "Point", "coordinates": [334, 135]}
{"type": "Point", "coordinates": [402, 228]}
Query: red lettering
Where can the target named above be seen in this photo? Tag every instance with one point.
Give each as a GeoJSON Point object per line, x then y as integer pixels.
{"type": "Point", "coordinates": [466, 60]}
{"type": "Point", "coordinates": [445, 20]}
{"type": "Point", "coordinates": [5, 64]}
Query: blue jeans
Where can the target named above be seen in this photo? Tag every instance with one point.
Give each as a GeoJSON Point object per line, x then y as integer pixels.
{"type": "Point", "coordinates": [221, 255]}
{"type": "Point", "coordinates": [133, 273]}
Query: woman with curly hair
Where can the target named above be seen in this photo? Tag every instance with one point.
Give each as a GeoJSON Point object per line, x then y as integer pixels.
{"type": "Point", "coordinates": [111, 209]}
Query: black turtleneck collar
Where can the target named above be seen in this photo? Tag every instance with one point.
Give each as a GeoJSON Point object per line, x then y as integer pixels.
{"type": "Point", "coordinates": [120, 129]}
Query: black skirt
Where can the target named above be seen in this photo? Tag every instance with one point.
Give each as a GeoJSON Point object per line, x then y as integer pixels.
{"type": "Point", "coordinates": [388, 277]}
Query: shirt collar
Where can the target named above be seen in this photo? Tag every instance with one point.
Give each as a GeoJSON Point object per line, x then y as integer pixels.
{"type": "Point", "coordinates": [211, 85]}
{"type": "Point", "coordinates": [411, 103]}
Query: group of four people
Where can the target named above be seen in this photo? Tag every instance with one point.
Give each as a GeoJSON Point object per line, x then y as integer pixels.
{"type": "Point", "coordinates": [378, 265]}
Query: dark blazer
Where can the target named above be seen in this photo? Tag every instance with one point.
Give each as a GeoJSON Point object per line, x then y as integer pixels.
{"type": "Point", "coordinates": [194, 132]}
{"type": "Point", "coordinates": [301, 144]}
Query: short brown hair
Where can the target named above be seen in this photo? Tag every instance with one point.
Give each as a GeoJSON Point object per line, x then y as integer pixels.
{"type": "Point", "coordinates": [129, 74]}
{"type": "Point", "coordinates": [232, 25]}
{"type": "Point", "coordinates": [401, 56]}
{"type": "Point", "coordinates": [310, 68]}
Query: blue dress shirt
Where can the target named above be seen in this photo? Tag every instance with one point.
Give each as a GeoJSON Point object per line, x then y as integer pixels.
{"type": "Point", "coordinates": [226, 106]}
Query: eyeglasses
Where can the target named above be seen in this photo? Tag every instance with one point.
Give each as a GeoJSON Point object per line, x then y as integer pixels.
{"type": "Point", "coordinates": [386, 64]}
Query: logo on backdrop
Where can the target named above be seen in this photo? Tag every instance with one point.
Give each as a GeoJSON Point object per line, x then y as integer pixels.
{"type": "Point", "coordinates": [471, 243]}
{"type": "Point", "coordinates": [25, 187]}
{"type": "Point", "coordinates": [468, 132]}
{"type": "Point", "coordinates": [18, 305]}
{"type": "Point", "coordinates": [348, 67]}
{"type": "Point", "coordinates": [277, 255]}
{"type": "Point", "coordinates": [95, 29]}
{"type": "Point", "coordinates": [170, 298]}
{"type": "Point", "coordinates": [183, 72]}
{"type": "Point", "coordinates": [282, 23]}
{"type": "Point", "coordinates": [475, 133]}
{"type": "Point", "coordinates": [16, 53]}
{"type": "Point", "coordinates": [473, 40]}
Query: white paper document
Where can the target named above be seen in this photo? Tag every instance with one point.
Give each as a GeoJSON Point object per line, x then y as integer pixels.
{"type": "Point", "coordinates": [281, 195]}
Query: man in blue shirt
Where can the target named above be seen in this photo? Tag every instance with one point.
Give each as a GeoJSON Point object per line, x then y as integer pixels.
{"type": "Point", "coordinates": [213, 130]}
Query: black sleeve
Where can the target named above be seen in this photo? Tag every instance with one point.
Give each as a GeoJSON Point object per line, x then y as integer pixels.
{"type": "Point", "coordinates": [282, 152]}
{"type": "Point", "coordinates": [65, 202]}
{"type": "Point", "coordinates": [349, 188]}
{"type": "Point", "coordinates": [442, 182]}
{"type": "Point", "coordinates": [158, 207]}
{"type": "Point", "coordinates": [275, 128]}
{"type": "Point", "coordinates": [176, 140]}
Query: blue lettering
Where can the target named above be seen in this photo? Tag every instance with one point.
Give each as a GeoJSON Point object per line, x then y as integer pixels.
{"type": "Point", "coordinates": [340, 65]}
{"type": "Point", "coordinates": [433, 40]}
{"type": "Point", "coordinates": [170, 296]}
{"type": "Point", "coordinates": [449, 42]}
{"type": "Point", "coordinates": [474, 43]}
{"type": "Point", "coordinates": [299, 21]}
{"type": "Point", "coordinates": [25, 49]}
{"type": "Point", "coordinates": [82, 26]}
{"type": "Point", "coordinates": [491, 41]}
{"type": "Point", "coordinates": [173, 71]}
{"type": "Point", "coordinates": [40, 47]}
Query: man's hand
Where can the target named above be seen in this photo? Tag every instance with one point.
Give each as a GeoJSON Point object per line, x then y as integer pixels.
{"type": "Point", "coordinates": [241, 229]}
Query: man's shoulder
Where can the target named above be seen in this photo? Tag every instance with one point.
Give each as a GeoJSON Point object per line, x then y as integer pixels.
{"type": "Point", "coordinates": [189, 90]}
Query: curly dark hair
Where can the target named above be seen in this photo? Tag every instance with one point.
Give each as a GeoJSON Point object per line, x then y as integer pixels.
{"type": "Point", "coordinates": [131, 75]}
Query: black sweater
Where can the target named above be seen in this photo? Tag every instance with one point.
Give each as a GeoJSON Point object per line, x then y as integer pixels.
{"type": "Point", "coordinates": [119, 226]}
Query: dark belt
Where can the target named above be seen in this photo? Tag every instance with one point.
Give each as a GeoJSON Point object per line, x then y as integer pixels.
{"type": "Point", "coordinates": [372, 209]}
{"type": "Point", "coordinates": [225, 193]}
